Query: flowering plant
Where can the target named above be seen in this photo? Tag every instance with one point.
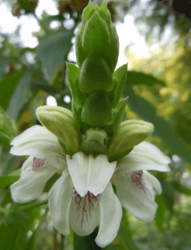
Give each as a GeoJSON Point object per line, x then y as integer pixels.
{"type": "Point", "coordinates": [102, 162]}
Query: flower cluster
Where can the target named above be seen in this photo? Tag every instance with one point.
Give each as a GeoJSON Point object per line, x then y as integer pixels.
{"type": "Point", "coordinates": [90, 148]}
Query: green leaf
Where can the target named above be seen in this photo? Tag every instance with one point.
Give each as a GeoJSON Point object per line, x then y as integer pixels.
{"type": "Point", "coordinates": [162, 129]}
{"type": "Point", "coordinates": [15, 215]}
{"type": "Point", "coordinates": [125, 234]}
{"type": "Point", "coordinates": [138, 78]}
{"type": "Point", "coordinates": [18, 97]}
{"type": "Point", "coordinates": [118, 114]}
{"type": "Point", "coordinates": [161, 212]}
{"type": "Point", "coordinates": [35, 104]}
{"type": "Point", "coordinates": [3, 62]}
{"type": "Point", "coordinates": [38, 85]}
{"type": "Point", "coordinates": [8, 128]}
{"type": "Point", "coordinates": [180, 188]}
{"type": "Point", "coordinates": [53, 49]}
{"type": "Point", "coordinates": [168, 193]}
{"type": "Point", "coordinates": [7, 85]}
{"type": "Point", "coordinates": [86, 242]}
{"type": "Point", "coordinates": [6, 180]}
{"type": "Point", "coordinates": [120, 76]}
{"type": "Point", "coordinates": [15, 235]}
{"type": "Point", "coordinates": [10, 164]}
{"type": "Point", "coordinates": [73, 73]}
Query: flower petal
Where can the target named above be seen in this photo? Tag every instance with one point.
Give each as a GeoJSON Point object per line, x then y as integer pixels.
{"type": "Point", "coordinates": [145, 156]}
{"type": "Point", "coordinates": [60, 197]}
{"type": "Point", "coordinates": [39, 142]}
{"type": "Point", "coordinates": [84, 213]}
{"type": "Point", "coordinates": [110, 217]}
{"type": "Point", "coordinates": [152, 183]}
{"type": "Point", "coordinates": [31, 183]}
{"type": "Point", "coordinates": [135, 198]}
{"type": "Point", "coordinates": [90, 173]}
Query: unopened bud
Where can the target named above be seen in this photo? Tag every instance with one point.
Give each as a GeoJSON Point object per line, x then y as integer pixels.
{"type": "Point", "coordinates": [130, 133]}
{"type": "Point", "coordinates": [60, 122]}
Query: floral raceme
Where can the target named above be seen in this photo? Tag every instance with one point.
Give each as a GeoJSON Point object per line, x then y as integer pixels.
{"type": "Point", "coordinates": [83, 196]}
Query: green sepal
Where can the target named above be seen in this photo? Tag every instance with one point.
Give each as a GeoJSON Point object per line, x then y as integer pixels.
{"type": "Point", "coordinates": [72, 73]}
{"type": "Point", "coordinates": [119, 155]}
{"type": "Point", "coordinates": [60, 122]}
{"type": "Point", "coordinates": [96, 35]}
{"type": "Point", "coordinates": [118, 114]}
{"type": "Point", "coordinates": [129, 134]}
{"type": "Point", "coordinates": [120, 76]}
{"type": "Point", "coordinates": [66, 149]}
{"type": "Point", "coordinates": [105, 14]}
{"type": "Point", "coordinates": [87, 12]}
{"type": "Point", "coordinates": [97, 110]}
{"type": "Point", "coordinates": [95, 75]}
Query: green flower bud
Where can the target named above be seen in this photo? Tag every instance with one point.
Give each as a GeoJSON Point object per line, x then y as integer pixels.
{"type": "Point", "coordinates": [130, 133]}
{"type": "Point", "coordinates": [95, 75]}
{"type": "Point", "coordinates": [94, 142]}
{"type": "Point", "coordinates": [96, 135]}
{"type": "Point", "coordinates": [97, 34]}
{"type": "Point", "coordinates": [60, 122]}
{"type": "Point", "coordinates": [97, 110]}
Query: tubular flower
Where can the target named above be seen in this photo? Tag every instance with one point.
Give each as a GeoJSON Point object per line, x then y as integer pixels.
{"type": "Point", "coordinates": [82, 197]}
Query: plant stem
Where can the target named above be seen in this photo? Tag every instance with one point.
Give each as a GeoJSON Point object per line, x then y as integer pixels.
{"type": "Point", "coordinates": [37, 204]}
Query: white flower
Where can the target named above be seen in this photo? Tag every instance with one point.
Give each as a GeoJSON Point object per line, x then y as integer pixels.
{"type": "Point", "coordinates": [83, 197]}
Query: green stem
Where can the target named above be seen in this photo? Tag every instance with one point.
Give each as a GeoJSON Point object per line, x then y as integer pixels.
{"type": "Point", "coordinates": [62, 242]}
{"type": "Point", "coordinates": [37, 204]}
{"type": "Point", "coordinates": [42, 25]}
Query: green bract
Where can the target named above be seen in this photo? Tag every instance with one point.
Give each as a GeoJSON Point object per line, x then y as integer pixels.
{"type": "Point", "coordinates": [97, 110]}
{"type": "Point", "coordinates": [95, 70]}
{"type": "Point", "coordinates": [130, 133]}
{"type": "Point", "coordinates": [60, 122]}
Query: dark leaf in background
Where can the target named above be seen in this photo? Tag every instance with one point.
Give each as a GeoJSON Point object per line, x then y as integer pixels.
{"type": "Point", "coordinates": [15, 235]}
{"type": "Point", "coordinates": [160, 213]}
{"type": "Point", "coordinates": [162, 129]}
{"type": "Point", "coordinates": [8, 128]}
{"type": "Point", "coordinates": [6, 180]}
{"type": "Point", "coordinates": [181, 188]}
{"type": "Point", "coordinates": [44, 86]}
{"type": "Point", "coordinates": [86, 242]}
{"type": "Point", "coordinates": [168, 193]}
{"type": "Point", "coordinates": [3, 63]}
{"type": "Point", "coordinates": [138, 78]}
{"type": "Point", "coordinates": [35, 104]}
{"type": "Point", "coordinates": [15, 215]}
{"type": "Point", "coordinates": [125, 234]}
{"type": "Point", "coordinates": [18, 97]}
{"type": "Point", "coordinates": [53, 49]}
{"type": "Point", "coordinates": [7, 85]}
